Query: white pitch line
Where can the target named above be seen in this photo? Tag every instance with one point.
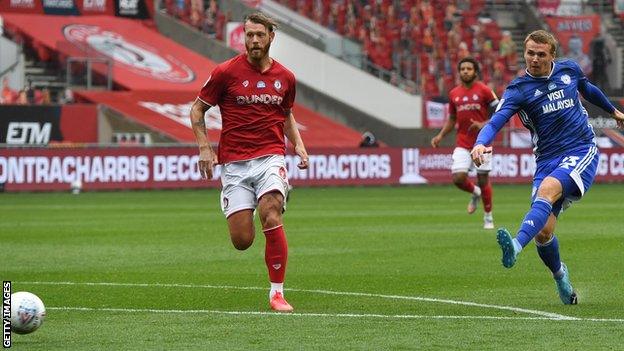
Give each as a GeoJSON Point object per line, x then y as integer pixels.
{"type": "Point", "coordinates": [331, 315]}
{"type": "Point", "coordinates": [260, 313]}
{"type": "Point", "coordinates": [548, 315]}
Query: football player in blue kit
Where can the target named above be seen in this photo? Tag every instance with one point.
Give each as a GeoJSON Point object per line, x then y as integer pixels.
{"type": "Point", "coordinates": [547, 101]}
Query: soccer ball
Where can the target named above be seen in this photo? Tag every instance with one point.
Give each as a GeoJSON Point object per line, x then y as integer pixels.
{"type": "Point", "coordinates": [27, 312]}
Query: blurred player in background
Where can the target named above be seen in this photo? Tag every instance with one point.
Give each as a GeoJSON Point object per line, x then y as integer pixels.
{"type": "Point", "coordinates": [255, 94]}
{"type": "Point", "coordinates": [548, 103]}
{"type": "Point", "coordinates": [469, 108]}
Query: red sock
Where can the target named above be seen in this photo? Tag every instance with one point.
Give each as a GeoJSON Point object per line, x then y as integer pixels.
{"type": "Point", "coordinates": [486, 195]}
{"type": "Point", "coordinates": [276, 253]}
{"type": "Point", "coordinates": [467, 185]}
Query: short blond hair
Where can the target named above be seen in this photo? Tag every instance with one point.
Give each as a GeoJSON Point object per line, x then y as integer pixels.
{"type": "Point", "coordinates": [543, 37]}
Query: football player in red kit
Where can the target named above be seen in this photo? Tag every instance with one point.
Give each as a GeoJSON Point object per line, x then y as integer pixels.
{"type": "Point", "coordinates": [255, 94]}
{"type": "Point", "coordinates": [469, 108]}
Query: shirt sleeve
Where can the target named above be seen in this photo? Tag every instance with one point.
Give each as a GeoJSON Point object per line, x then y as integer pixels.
{"type": "Point", "coordinates": [507, 107]}
{"type": "Point", "coordinates": [591, 92]}
{"type": "Point", "coordinates": [212, 90]}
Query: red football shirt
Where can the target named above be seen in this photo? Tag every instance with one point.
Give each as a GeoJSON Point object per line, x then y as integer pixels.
{"type": "Point", "coordinates": [253, 107]}
{"type": "Point", "coordinates": [469, 104]}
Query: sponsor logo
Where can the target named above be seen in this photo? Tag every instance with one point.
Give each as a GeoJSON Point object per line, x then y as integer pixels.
{"type": "Point", "coordinates": [28, 133]}
{"type": "Point", "coordinates": [469, 107]}
{"type": "Point", "coordinates": [557, 102]}
{"type": "Point", "coordinates": [101, 169]}
{"type": "Point", "coordinates": [529, 222]}
{"type": "Point", "coordinates": [261, 85]}
{"type": "Point", "coordinates": [259, 99]}
{"type": "Point", "coordinates": [94, 5]}
{"type": "Point", "coordinates": [277, 85]}
{"type": "Point", "coordinates": [282, 172]}
{"type": "Point", "coordinates": [552, 86]}
{"type": "Point", "coordinates": [475, 97]}
{"type": "Point", "coordinates": [342, 167]}
{"type": "Point", "coordinates": [246, 83]}
{"type": "Point", "coordinates": [59, 4]}
{"type": "Point", "coordinates": [411, 168]}
{"type": "Point", "coordinates": [566, 79]}
{"type": "Point", "coordinates": [537, 92]}
{"type": "Point", "coordinates": [129, 7]}
{"type": "Point", "coordinates": [136, 56]}
{"type": "Point", "coordinates": [465, 98]}
{"type": "Point", "coordinates": [23, 3]}
{"type": "Point", "coordinates": [277, 266]}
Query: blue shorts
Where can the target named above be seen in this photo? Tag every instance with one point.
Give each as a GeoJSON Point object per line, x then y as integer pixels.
{"type": "Point", "coordinates": [575, 170]}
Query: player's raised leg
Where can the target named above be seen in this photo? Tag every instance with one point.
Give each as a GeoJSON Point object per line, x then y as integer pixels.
{"type": "Point", "coordinates": [549, 191]}
{"type": "Point", "coordinates": [276, 249]}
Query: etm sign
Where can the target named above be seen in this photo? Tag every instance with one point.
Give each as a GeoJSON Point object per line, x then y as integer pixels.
{"type": "Point", "coordinates": [28, 133]}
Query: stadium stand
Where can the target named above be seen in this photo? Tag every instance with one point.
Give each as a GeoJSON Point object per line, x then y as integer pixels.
{"type": "Point", "coordinates": [150, 86]}
{"type": "Point", "coordinates": [420, 40]}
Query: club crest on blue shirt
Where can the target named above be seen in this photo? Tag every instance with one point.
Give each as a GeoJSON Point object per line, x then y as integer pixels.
{"type": "Point", "coordinates": [261, 84]}
{"type": "Point", "coordinates": [277, 85]}
{"type": "Point", "coordinates": [552, 86]}
{"type": "Point", "coordinates": [566, 79]}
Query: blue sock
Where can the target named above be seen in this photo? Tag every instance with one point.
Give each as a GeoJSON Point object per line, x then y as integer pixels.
{"type": "Point", "coordinates": [534, 221]}
{"type": "Point", "coordinates": [549, 253]}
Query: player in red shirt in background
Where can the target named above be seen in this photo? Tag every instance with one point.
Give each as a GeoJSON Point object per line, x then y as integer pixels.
{"type": "Point", "coordinates": [255, 94]}
{"type": "Point", "coordinates": [470, 105]}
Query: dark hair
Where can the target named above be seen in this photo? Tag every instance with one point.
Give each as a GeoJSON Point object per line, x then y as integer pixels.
{"type": "Point", "coordinates": [261, 18]}
{"type": "Point", "coordinates": [474, 62]}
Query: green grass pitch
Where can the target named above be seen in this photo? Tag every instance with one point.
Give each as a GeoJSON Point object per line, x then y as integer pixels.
{"type": "Point", "coordinates": [370, 268]}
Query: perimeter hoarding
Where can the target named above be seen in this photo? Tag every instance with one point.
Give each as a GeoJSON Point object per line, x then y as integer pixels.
{"type": "Point", "coordinates": [47, 169]}
{"type": "Point", "coordinates": [44, 124]}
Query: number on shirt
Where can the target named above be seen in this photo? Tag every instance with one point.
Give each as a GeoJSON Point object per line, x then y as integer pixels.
{"type": "Point", "coordinates": [569, 161]}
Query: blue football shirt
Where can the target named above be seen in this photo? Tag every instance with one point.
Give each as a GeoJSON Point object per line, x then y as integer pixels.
{"type": "Point", "coordinates": [550, 108]}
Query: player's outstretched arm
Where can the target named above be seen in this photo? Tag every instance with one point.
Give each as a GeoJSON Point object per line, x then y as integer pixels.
{"type": "Point", "coordinates": [207, 156]}
{"type": "Point", "coordinates": [292, 133]}
{"type": "Point", "coordinates": [594, 95]}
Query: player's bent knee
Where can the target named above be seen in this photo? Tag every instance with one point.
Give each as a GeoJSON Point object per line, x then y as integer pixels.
{"type": "Point", "coordinates": [459, 178]}
{"type": "Point", "coordinates": [543, 236]}
{"type": "Point", "coordinates": [241, 243]}
{"type": "Point", "coordinates": [550, 189]}
{"type": "Point", "coordinates": [272, 219]}
{"type": "Point", "coordinates": [242, 238]}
